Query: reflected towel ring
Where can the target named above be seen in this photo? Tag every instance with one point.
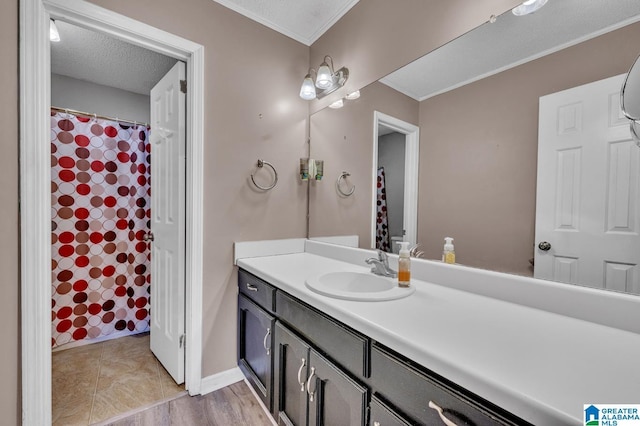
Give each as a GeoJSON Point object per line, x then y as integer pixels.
{"type": "Point", "coordinates": [343, 176]}
{"type": "Point", "coordinates": [262, 163]}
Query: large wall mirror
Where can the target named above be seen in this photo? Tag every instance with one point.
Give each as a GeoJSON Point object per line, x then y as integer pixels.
{"type": "Point", "coordinates": [481, 104]}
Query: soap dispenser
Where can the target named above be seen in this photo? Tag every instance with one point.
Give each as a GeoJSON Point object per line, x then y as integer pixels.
{"type": "Point", "coordinates": [448, 253]}
{"type": "Point", "coordinates": [404, 265]}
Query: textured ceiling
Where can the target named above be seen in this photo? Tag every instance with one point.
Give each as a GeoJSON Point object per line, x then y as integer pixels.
{"type": "Point", "coordinates": [97, 58]}
{"type": "Point", "coordinates": [302, 20]}
{"type": "Point", "coordinates": [511, 41]}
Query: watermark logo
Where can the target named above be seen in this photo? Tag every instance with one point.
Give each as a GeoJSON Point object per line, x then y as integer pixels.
{"type": "Point", "coordinates": [612, 414]}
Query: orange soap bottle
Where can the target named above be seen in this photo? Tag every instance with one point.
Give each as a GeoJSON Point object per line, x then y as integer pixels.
{"type": "Point", "coordinates": [404, 265]}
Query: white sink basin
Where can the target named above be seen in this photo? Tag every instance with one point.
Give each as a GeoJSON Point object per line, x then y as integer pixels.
{"type": "Point", "coordinates": [358, 286]}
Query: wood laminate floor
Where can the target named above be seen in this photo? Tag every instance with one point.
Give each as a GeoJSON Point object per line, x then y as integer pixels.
{"type": "Point", "coordinates": [233, 405]}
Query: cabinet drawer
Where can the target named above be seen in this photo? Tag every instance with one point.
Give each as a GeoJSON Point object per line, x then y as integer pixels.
{"type": "Point", "coordinates": [256, 289]}
{"type": "Point", "coordinates": [345, 347]}
{"type": "Point", "coordinates": [410, 391]}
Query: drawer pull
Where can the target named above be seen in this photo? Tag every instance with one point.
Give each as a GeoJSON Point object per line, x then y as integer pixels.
{"type": "Point", "coordinates": [311, 394]}
{"type": "Point", "coordinates": [264, 342]}
{"type": "Point", "coordinates": [300, 381]}
{"type": "Point", "coordinates": [376, 423]}
{"type": "Point", "coordinates": [445, 420]}
{"type": "Point", "coordinates": [251, 287]}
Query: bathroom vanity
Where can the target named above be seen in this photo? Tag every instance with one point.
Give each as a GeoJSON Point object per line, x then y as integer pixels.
{"type": "Point", "coordinates": [439, 355]}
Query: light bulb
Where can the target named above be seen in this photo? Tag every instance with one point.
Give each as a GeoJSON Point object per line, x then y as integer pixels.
{"type": "Point", "coordinates": [527, 7]}
{"type": "Point", "coordinates": [324, 80]}
{"type": "Point", "coordinates": [308, 90]}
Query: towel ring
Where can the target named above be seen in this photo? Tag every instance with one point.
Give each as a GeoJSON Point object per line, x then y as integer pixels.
{"type": "Point", "coordinates": [343, 176]}
{"type": "Point", "coordinates": [262, 163]}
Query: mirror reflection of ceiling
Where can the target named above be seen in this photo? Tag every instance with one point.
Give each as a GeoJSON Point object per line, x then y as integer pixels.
{"type": "Point", "coordinates": [515, 40]}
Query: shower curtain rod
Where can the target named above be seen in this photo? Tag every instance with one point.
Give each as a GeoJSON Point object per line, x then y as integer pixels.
{"type": "Point", "coordinates": [104, 117]}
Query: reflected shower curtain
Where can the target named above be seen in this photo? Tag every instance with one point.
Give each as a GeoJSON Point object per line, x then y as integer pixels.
{"type": "Point", "coordinates": [382, 225]}
{"type": "Point", "coordinates": [100, 191]}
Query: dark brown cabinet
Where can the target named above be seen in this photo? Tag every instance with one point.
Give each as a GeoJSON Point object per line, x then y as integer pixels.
{"type": "Point", "coordinates": [310, 389]}
{"type": "Point", "coordinates": [255, 338]}
{"type": "Point", "coordinates": [310, 369]}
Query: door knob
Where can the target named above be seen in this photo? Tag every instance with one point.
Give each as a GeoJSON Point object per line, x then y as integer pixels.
{"type": "Point", "coordinates": [544, 246]}
{"type": "Point", "coordinates": [148, 236]}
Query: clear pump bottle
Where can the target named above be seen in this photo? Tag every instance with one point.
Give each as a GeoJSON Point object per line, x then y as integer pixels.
{"type": "Point", "coordinates": [404, 265]}
{"type": "Point", "coordinates": [448, 253]}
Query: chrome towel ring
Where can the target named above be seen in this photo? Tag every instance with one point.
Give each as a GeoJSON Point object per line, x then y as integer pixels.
{"type": "Point", "coordinates": [343, 176]}
{"type": "Point", "coordinates": [261, 164]}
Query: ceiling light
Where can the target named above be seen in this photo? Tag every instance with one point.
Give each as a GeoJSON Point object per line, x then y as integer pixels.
{"type": "Point", "coordinates": [327, 80]}
{"type": "Point", "coordinates": [527, 7]}
{"type": "Point", "coordinates": [53, 31]}
{"type": "Point", "coordinates": [337, 104]}
{"type": "Point", "coordinates": [353, 95]}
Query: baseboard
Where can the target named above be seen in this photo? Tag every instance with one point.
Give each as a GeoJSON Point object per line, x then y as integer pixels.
{"type": "Point", "coordinates": [220, 380]}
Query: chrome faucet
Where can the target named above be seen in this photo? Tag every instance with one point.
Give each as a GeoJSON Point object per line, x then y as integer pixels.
{"type": "Point", "coordinates": [380, 266]}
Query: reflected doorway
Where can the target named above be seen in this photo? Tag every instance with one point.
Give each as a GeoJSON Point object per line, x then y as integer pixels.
{"type": "Point", "coordinates": [395, 182]}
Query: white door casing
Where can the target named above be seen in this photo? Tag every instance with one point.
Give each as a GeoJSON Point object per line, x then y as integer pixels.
{"type": "Point", "coordinates": [168, 221]}
{"type": "Point", "coordinates": [588, 190]}
{"type": "Point", "coordinates": [35, 184]}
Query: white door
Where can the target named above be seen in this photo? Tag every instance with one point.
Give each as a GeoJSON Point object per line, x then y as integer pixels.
{"type": "Point", "coordinates": [588, 195]}
{"type": "Point", "coordinates": [168, 221]}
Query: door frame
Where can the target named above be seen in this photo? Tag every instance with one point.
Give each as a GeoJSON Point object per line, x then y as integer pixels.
{"type": "Point", "coordinates": [35, 196]}
{"type": "Point", "coordinates": [411, 160]}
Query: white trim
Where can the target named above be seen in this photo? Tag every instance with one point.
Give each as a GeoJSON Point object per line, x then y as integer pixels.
{"type": "Point", "coordinates": [220, 380]}
{"type": "Point", "coordinates": [411, 167]}
{"type": "Point", "coordinates": [35, 196]}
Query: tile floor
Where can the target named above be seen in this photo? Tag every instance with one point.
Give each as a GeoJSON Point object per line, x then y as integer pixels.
{"type": "Point", "coordinates": [96, 382]}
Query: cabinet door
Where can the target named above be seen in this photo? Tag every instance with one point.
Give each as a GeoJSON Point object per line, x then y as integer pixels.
{"type": "Point", "coordinates": [334, 398]}
{"type": "Point", "coordinates": [255, 328]}
{"type": "Point", "coordinates": [290, 372]}
{"type": "Point", "coordinates": [382, 415]}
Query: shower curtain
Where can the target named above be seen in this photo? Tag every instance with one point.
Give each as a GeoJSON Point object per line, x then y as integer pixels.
{"type": "Point", "coordinates": [382, 222]}
{"type": "Point", "coordinates": [100, 189]}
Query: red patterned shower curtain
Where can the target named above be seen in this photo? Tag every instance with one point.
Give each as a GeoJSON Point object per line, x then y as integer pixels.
{"type": "Point", "coordinates": [100, 193]}
{"type": "Point", "coordinates": [382, 222]}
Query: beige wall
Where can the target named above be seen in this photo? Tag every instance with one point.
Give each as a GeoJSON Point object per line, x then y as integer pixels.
{"type": "Point", "coordinates": [245, 120]}
{"type": "Point", "coordinates": [343, 138]}
{"type": "Point", "coordinates": [378, 36]}
{"type": "Point", "coordinates": [478, 153]}
{"type": "Point", "coordinates": [9, 225]}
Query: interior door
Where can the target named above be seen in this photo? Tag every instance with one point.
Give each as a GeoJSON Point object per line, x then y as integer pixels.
{"type": "Point", "coordinates": [168, 221]}
{"type": "Point", "coordinates": [588, 190]}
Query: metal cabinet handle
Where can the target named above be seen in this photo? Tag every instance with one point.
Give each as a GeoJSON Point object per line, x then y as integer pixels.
{"type": "Point", "coordinates": [251, 287]}
{"type": "Point", "coordinates": [445, 420]}
{"type": "Point", "coordinates": [376, 423]}
{"type": "Point", "coordinates": [544, 246]}
{"type": "Point", "coordinates": [311, 394]}
{"type": "Point", "coordinates": [300, 381]}
{"type": "Point", "coordinates": [264, 342]}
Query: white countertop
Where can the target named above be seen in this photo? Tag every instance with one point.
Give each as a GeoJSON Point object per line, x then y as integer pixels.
{"type": "Point", "coordinates": [541, 366]}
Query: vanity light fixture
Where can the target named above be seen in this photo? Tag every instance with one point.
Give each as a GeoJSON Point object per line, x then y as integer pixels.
{"type": "Point", "coordinates": [337, 104]}
{"type": "Point", "coordinates": [327, 80]}
{"type": "Point", "coordinates": [53, 31]}
{"type": "Point", "coordinates": [528, 6]}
